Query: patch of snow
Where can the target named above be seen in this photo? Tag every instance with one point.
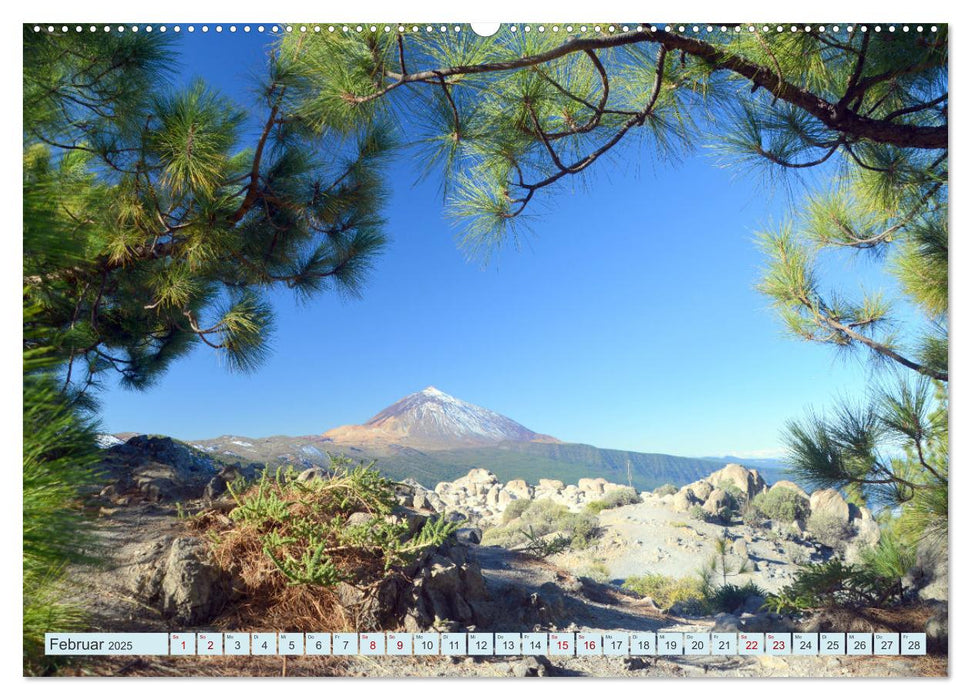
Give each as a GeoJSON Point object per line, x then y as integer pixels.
{"type": "Point", "coordinates": [105, 441]}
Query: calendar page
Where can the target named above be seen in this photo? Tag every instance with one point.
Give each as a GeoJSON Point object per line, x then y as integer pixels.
{"type": "Point", "coordinates": [611, 349]}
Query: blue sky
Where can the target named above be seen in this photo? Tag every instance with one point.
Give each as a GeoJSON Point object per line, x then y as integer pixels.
{"type": "Point", "coordinates": [627, 319]}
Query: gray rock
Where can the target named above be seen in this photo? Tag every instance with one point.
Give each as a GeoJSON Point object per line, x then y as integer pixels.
{"type": "Point", "coordinates": [532, 667]}
{"type": "Point", "coordinates": [930, 573]}
{"type": "Point", "coordinates": [726, 622]}
{"type": "Point", "coordinates": [936, 630]}
{"type": "Point", "coordinates": [518, 488]}
{"type": "Point", "coordinates": [469, 535]}
{"type": "Point", "coordinates": [192, 590]}
{"type": "Point", "coordinates": [313, 473]}
{"type": "Point", "coordinates": [215, 488]}
{"type": "Point", "coordinates": [359, 518]}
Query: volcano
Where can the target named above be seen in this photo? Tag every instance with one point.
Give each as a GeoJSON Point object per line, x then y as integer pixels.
{"type": "Point", "coordinates": [432, 419]}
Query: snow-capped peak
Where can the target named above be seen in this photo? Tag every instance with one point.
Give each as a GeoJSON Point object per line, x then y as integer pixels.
{"type": "Point", "coordinates": [431, 417]}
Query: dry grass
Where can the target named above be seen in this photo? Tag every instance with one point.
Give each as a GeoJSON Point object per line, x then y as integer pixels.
{"type": "Point", "coordinates": [291, 547]}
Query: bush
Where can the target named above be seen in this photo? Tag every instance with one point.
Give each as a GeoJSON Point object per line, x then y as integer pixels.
{"type": "Point", "coordinates": [836, 584]}
{"type": "Point", "coordinates": [544, 521]}
{"type": "Point", "coordinates": [515, 509]}
{"type": "Point", "coordinates": [288, 542]}
{"type": "Point", "coordinates": [597, 571]}
{"type": "Point", "coordinates": [794, 553]}
{"type": "Point", "coordinates": [737, 495]}
{"type": "Point", "coordinates": [621, 497]}
{"type": "Point", "coordinates": [666, 490]}
{"type": "Point", "coordinates": [667, 591]}
{"type": "Point", "coordinates": [831, 530]}
{"type": "Point", "coordinates": [696, 512]}
{"type": "Point", "coordinates": [751, 516]}
{"type": "Point", "coordinates": [781, 504]}
{"type": "Point", "coordinates": [730, 597]}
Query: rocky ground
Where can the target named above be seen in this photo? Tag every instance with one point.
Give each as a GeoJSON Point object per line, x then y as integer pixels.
{"type": "Point", "coordinates": [157, 576]}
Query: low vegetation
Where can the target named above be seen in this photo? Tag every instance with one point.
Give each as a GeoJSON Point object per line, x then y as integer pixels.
{"type": "Point", "coordinates": [687, 593]}
{"type": "Point", "coordinates": [666, 490]}
{"type": "Point", "coordinates": [730, 597]}
{"type": "Point", "coordinates": [781, 504]}
{"type": "Point", "coordinates": [624, 496]}
{"type": "Point", "coordinates": [875, 581]}
{"type": "Point", "coordinates": [830, 530]}
{"type": "Point", "coordinates": [289, 542]}
{"type": "Point", "coordinates": [543, 528]}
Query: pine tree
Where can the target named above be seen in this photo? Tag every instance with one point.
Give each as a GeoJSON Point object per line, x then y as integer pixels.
{"type": "Point", "coordinates": [176, 222]}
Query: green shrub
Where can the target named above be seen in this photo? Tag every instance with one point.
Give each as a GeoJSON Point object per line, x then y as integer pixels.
{"type": "Point", "coordinates": [697, 512]}
{"type": "Point", "coordinates": [667, 591]}
{"type": "Point", "coordinates": [301, 527]}
{"type": "Point", "coordinates": [831, 530]}
{"type": "Point", "coordinates": [515, 509]}
{"type": "Point", "coordinates": [893, 557]}
{"type": "Point", "coordinates": [730, 597]}
{"type": "Point", "coordinates": [597, 571]}
{"type": "Point", "coordinates": [737, 495]}
{"type": "Point", "coordinates": [836, 584]}
{"type": "Point", "coordinates": [666, 490]}
{"type": "Point", "coordinates": [544, 521]}
{"type": "Point", "coordinates": [621, 497]}
{"type": "Point", "coordinates": [781, 504]}
{"type": "Point", "coordinates": [794, 553]}
{"type": "Point", "coordinates": [751, 516]}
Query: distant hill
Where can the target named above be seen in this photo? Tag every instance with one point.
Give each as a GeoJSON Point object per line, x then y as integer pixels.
{"type": "Point", "coordinates": [431, 436]}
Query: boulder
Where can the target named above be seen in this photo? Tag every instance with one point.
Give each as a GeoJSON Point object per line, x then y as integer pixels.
{"type": "Point", "coordinates": [683, 500]}
{"type": "Point", "coordinates": [701, 490]}
{"type": "Point", "coordinates": [867, 531]}
{"type": "Point", "coordinates": [717, 501]}
{"type": "Point", "coordinates": [829, 502]}
{"type": "Point", "coordinates": [550, 485]}
{"type": "Point", "coordinates": [518, 488]}
{"type": "Point", "coordinates": [936, 630]}
{"type": "Point", "coordinates": [930, 572]}
{"type": "Point", "coordinates": [789, 486]}
{"type": "Point", "coordinates": [159, 469]}
{"type": "Point", "coordinates": [748, 481]}
{"type": "Point", "coordinates": [480, 476]}
{"type": "Point", "coordinates": [492, 497]}
{"type": "Point", "coordinates": [421, 502]}
{"type": "Point", "coordinates": [184, 584]}
{"type": "Point", "coordinates": [726, 622]}
{"type": "Point", "coordinates": [591, 486]}
{"type": "Point", "coordinates": [314, 473]}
